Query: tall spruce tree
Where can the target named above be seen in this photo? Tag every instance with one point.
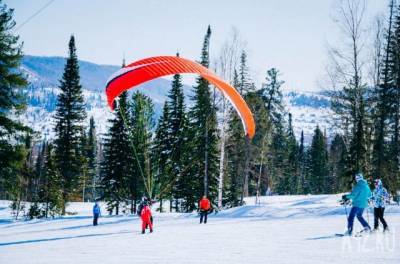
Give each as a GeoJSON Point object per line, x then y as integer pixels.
{"type": "Point", "coordinates": [380, 149]}
{"type": "Point", "coordinates": [292, 168]}
{"type": "Point", "coordinates": [337, 165]}
{"type": "Point", "coordinates": [116, 169]}
{"type": "Point", "coordinates": [301, 161]}
{"type": "Point", "coordinates": [91, 155]}
{"type": "Point", "coordinates": [235, 155]}
{"type": "Point", "coordinates": [180, 145]}
{"type": "Point", "coordinates": [141, 124]}
{"type": "Point", "coordinates": [318, 163]}
{"type": "Point", "coordinates": [11, 101]}
{"type": "Point", "coordinates": [51, 193]}
{"type": "Point", "coordinates": [164, 180]}
{"type": "Point", "coordinates": [203, 127]}
{"type": "Point", "coordinates": [393, 99]}
{"type": "Point", "coordinates": [277, 157]}
{"type": "Point", "coordinates": [69, 117]}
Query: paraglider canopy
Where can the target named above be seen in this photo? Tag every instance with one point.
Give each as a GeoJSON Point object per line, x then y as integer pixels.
{"type": "Point", "coordinates": [154, 67]}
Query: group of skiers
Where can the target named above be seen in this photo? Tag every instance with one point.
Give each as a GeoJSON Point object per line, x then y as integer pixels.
{"type": "Point", "coordinates": [361, 196]}
{"type": "Point", "coordinates": [144, 212]}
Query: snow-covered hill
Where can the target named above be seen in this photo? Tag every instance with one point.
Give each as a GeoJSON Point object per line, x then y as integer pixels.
{"type": "Point", "coordinates": [281, 229]}
{"type": "Point", "coordinates": [308, 108]}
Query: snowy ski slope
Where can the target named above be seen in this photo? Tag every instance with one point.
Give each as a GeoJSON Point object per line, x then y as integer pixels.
{"type": "Point", "coordinates": [281, 229]}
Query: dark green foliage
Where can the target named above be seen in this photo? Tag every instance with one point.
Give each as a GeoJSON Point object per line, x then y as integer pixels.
{"type": "Point", "coordinates": [292, 169]}
{"type": "Point", "coordinates": [162, 160]}
{"type": "Point", "coordinates": [203, 133]}
{"type": "Point", "coordinates": [175, 148]}
{"type": "Point", "coordinates": [318, 165]}
{"type": "Point", "coordinates": [51, 192]}
{"type": "Point", "coordinates": [141, 126]}
{"type": "Point", "coordinates": [302, 169]}
{"type": "Point", "coordinates": [12, 81]}
{"type": "Point", "coordinates": [393, 106]}
{"type": "Point", "coordinates": [91, 156]}
{"type": "Point", "coordinates": [235, 149]}
{"type": "Point", "coordinates": [337, 181]}
{"type": "Point", "coordinates": [116, 168]}
{"type": "Point", "coordinates": [69, 117]}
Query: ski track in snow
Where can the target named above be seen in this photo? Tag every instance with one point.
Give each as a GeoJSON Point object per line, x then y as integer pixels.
{"type": "Point", "coordinates": [281, 229]}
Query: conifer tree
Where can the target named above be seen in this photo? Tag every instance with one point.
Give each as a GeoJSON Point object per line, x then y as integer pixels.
{"type": "Point", "coordinates": [69, 117]}
{"type": "Point", "coordinates": [393, 109]}
{"type": "Point", "coordinates": [380, 150]}
{"type": "Point", "coordinates": [91, 154]}
{"type": "Point", "coordinates": [116, 168]}
{"type": "Point", "coordinates": [141, 124]}
{"type": "Point", "coordinates": [235, 155]}
{"type": "Point", "coordinates": [337, 165]}
{"type": "Point", "coordinates": [318, 163]}
{"type": "Point", "coordinates": [180, 148]}
{"type": "Point", "coordinates": [162, 158]}
{"type": "Point", "coordinates": [292, 172]}
{"type": "Point", "coordinates": [278, 155]}
{"type": "Point", "coordinates": [51, 193]}
{"type": "Point", "coordinates": [203, 127]}
{"type": "Point", "coordinates": [12, 81]}
{"type": "Point", "coordinates": [301, 162]}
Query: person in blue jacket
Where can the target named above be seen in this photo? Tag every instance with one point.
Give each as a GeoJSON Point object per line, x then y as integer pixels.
{"type": "Point", "coordinates": [359, 196]}
{"type": "Point", "coordinates": [379, 196]}
{"type": "Point", "coordinates": [96, 213]}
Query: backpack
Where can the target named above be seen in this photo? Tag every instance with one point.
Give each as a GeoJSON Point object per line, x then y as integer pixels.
{"type": "Point", "coordinates": [139, 210]}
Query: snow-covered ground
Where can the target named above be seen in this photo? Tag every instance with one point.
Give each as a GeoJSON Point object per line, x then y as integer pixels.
{"type": "Point", "coordinates": [281, 229]}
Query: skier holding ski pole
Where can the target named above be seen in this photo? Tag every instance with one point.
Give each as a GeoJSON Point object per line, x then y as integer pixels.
{"type": "Point", "coordinates": [360, 195]}
{"type": "Point", "coordinates": [379, 198]}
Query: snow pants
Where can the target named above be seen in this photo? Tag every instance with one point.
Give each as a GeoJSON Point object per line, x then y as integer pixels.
{"type": "Point", "coordinates": [378, 215]}
{"type": "Point", "coordinates": [203, 214]}
{"type": "Point", "coordinates": [145, 223]}
{"type": "Point", "coordinates": [95, 218]}
{"type": "Point", "coordinates": [356, 211]}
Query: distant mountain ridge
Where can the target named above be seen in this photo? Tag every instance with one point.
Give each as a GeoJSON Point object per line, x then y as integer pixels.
{"type": "Point", "coordinates": [50, 69]}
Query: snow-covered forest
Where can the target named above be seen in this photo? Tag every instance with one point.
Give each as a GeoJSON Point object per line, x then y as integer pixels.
{"type": "Point", "coordinates": [169, 143]}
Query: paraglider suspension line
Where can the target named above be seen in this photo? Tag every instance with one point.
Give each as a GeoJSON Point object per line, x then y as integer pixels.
{"type": "Point", "coordinates": [146, 184]}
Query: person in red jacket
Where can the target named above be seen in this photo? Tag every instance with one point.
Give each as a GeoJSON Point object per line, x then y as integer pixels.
{"type": "Point", "coordinates": [146, 218]}
{"type": "Point", "coordinates": [204, 206]}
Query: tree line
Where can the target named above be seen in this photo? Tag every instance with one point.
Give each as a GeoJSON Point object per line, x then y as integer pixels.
{"type": "Point", "coordinates": [197, 147]}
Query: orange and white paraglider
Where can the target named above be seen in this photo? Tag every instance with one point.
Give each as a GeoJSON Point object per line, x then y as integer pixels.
{"type": "Point", "coordinates": [151, 68]}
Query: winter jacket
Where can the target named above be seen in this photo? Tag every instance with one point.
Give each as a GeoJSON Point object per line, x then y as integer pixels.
{"type": "Point", "coordinates": [204, 204]}
{"type": "Point", "coordinates": [96, 209]}
{"type": "Point", "coordinates": [380, 196]}
{"type": "Point", "coordinates": [145, 213]}
{"type": "Point", "coordinates": [360, 194]}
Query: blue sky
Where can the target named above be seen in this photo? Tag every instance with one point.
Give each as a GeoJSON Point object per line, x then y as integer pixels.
{"type": "Point", "coordinates": [290, 35]}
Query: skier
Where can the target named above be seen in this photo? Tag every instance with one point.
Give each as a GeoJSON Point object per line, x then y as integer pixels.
{"type": "Point", "coordinates": [379, 197]}
{"type": "Point", "coordinates": [96, 213]}
{"type": "Point", "coordinates": [360, 195]}
{"type": "Point", "coordinates": [141, 205]}
{"type": "Point", "coordinates": [146, 216]}
{"type": "Point", "coordinates": [204, 206]}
